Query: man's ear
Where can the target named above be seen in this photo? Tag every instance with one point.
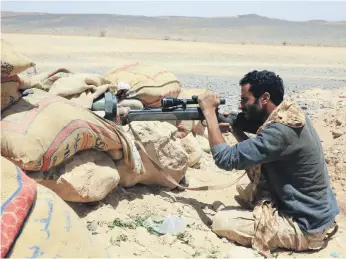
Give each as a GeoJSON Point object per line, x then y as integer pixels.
{"type": "Point", "coordinates": [265, 98]}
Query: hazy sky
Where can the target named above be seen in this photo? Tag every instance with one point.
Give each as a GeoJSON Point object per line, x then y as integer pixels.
{"type": "Point", "coordinates": [289, 10]}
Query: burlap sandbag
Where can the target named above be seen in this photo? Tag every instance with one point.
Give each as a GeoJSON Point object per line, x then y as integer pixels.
{"type": "Point", "coordinates": [157, 139]}
{"type": "Point", "coordinates": [13, 62]}
{"type": "Point", "coordinates": [192, 148]}
{"type": "Point", "coordinates": [18, 193]}
{"type": "Point", "coordinates": [82, 88]}
{"type": "Point", "coordinates": [147, 83]}
{"type": "Point", "coordinates": [54, 230]}
{"type": "Point", "coordinates": [132, 103]}
{"type": "Point", "coordinates": [11, 88]}
{"type": "Point", "coordinates": [36, 223]}
{"type": "Point", "coordinates": [86, 177]}
{"type": "Point", "coordinates": [42, 130]}
{"type": "Point", "coordinates": [9, 94]}
{"type": "Point", "coordinates": [203, 142]}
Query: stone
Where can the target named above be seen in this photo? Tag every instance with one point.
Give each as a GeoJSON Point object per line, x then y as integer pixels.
{"type": "Point", "coordinates": [337, 133]}
{"type": "Point", "coordinates": [93, 226]}
{"type": "Point", "coordinates": [339, 122]}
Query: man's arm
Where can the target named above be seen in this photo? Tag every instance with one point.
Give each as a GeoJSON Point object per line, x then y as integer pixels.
{"type": "Point", "coordinates": [267, 146]}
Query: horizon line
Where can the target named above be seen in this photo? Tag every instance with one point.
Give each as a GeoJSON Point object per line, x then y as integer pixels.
{"type": "Point", "coordinates": [177, 16]}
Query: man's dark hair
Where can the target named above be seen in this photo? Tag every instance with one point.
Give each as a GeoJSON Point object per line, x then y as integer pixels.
{"type": "Point", "coordinates": [264, 81]}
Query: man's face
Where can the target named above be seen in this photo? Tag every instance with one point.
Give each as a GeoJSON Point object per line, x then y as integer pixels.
{"type": "Point", "coordinates": [252, 108]}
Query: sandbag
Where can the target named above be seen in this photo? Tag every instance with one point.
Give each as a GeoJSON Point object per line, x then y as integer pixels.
{"type": "Point", "coordinates": [42, 130]}
{"type": "Point", "coordinates": [203, 142]}
{"type": "Point", "coordinates": [18, 193]}
{"type": "Point", "coordinates": [10, 94]}
{"type": "Point", "coordinates": [88, 176]}
{"type": "Point", "coordinates": [157, 139]}
{"type": "Point", "coordinates": [82, 88]}
{"type": "Point", "coordinates": [11, 89]}
{"type": "Point", "coordinates": [13, 62]}
{"type": "Point", "coordinates": [127, 177]}
{"type": "Point", "coordinates": [54, 230]}
{"type": "Point", "coordinates": [147, 83]}
{"type": "Point", "coordinates": [192, 148]}
{"type": "Point", "coordinates": [195, 126]}
{"type": "Point", "coordinates": [132, 103]}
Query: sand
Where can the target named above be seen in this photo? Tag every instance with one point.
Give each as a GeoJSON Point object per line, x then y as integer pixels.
{"type": "Point", "coordinates": [314, 76]}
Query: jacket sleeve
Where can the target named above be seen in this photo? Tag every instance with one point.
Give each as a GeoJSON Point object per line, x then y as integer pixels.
{"type": "Point", "coordinates": [267, 146]}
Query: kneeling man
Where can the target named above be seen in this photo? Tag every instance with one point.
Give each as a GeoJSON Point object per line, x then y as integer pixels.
{"type": "Point", "coordinates": [289, 196]}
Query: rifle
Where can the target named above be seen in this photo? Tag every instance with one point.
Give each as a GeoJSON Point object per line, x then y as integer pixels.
{"type": "Point", "coordinates": [175, 109]}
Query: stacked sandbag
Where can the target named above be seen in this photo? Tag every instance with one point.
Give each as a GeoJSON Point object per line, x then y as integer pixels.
{"type": "Point", "coordinates": [192, 148]}
{"type": "Point", "coordinates": [37, 223]}
{"type": "Point", "coordinates": [81, 88]}
{"type": "Point", "coordinates": [43, 131]}
{"type": "Point", "coordinates": [146, 83]}
{"type": "Point", "coordinates": [86, 177]}
{"type": "Point", "coordinates": [12, 64]}
{"type": "Point", "coordinates": [159, 143]}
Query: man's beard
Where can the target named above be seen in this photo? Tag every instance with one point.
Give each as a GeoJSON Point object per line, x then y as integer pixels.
{"type": "Point", "coordinates": [254, 112]}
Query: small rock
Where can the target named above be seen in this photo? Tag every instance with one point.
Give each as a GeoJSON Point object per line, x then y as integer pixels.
{"type": "Point", "coordinates": [197, 165]}
{"type": "Point", "coordinates": [337, 133]}
{"type": "Point", "coordinates": [93, 226]}
{"type": "Point", "coordinates": [339, 122]}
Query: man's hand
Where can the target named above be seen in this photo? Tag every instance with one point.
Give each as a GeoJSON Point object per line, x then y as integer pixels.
{"type": "Point", "coordinates": [208, 102]}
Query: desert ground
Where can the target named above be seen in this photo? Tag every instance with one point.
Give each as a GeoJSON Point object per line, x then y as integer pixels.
{"type": "Point", "coordinates": [315, 77]}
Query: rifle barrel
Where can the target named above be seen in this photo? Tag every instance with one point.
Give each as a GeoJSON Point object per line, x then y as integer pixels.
{"type": "Point", "coordinates": [161, 115]}
{"type": "Point", "coordinates": [194, 113]}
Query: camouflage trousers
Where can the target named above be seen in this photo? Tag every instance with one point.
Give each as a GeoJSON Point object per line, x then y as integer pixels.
{"type": "Point", "coordinates": [264, 229]}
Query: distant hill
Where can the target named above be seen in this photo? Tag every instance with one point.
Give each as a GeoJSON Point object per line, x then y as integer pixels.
{"type": "Point", "coordinates": [240, 29]}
